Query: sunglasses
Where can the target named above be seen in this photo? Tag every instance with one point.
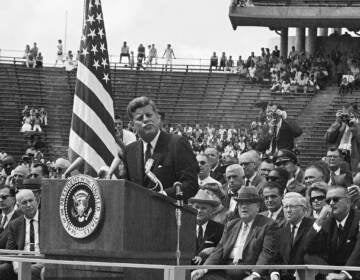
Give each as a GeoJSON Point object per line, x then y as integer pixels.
{"type": "Point", "coordinates": [202, 162]}
{"type": "Point", "coordinates": [33, 175]}
{"type": "Point", "coordinates": [245, 163]}
{"type": "Point", "coordinates": [272, 178]}
{"type": "Point", "coordinates": [4, 196]}
{"type": "Point", "coordinates": [335, 199]}
{"type": "Point", "coordinates": [317, 198]}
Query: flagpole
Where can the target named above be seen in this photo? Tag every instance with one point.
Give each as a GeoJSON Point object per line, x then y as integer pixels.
{"type": "Point", "coordinates": [65, 37]}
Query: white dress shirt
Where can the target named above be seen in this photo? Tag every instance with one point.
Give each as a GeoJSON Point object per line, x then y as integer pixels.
{"type": "Point", "coordinates": [237, 251]}
{"type": "Point", "coordinates": [153, 144]}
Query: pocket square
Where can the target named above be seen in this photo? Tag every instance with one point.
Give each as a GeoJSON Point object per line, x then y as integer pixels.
{"type": "Point", "coordinates": [209, 242]}
{"type": "Point", "coordinates": [348, 241]}
{"type": "Point", "coordinates": [160, 166]}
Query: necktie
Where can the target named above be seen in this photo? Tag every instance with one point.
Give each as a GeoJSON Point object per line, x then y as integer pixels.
{"type": "Point", "coordinates": [332, 178]}
{"type": "Point", "coordinates": [240, 245]}
{"type": "Point", "coordinates": [200, 238]}
{"type": "Point", "coordinates": [273, 142]}
{"type": "Point", "coordinates": [247, 182]}
{"type": "Point", "coordinates": [3, 222]}
{"type": "Point", "coordinates": [148, 152]}
{"type": "Point", "coordinates": [32, 236]}
{"type": "Point", "coordinates": [293, 234]}
{"type": "Point", "coordinates": [340, 230]}
{"type": "Point", "coordinates": [271, 215]}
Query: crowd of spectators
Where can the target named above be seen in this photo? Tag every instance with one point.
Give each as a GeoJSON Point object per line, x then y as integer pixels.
{"type": "Point", "coordinates": [33, 57]}
{"type": "Point", "coordinates": [33, 119]}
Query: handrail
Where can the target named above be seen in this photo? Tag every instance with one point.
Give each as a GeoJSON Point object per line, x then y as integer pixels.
{"type": "Point", "coordinates": [171, 272]}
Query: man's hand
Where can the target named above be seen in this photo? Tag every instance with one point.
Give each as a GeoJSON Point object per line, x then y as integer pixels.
{"type": "Point", "coordinates": [251, 277]}
{"type": "Point", "coordinates": [207, 251]}
{"type": "Point", "coordinates": [324, 213]}
{"type": "Point", "coordinates": [353, 190]}
{"type": "Point", "coordinates": [198, 273]}
{"type": "Point", "coordinates": [336, 276]}
{"type": "Point", "coordinates": [338, 115]}
{"type": "Point", "coordinates": [197, 260]}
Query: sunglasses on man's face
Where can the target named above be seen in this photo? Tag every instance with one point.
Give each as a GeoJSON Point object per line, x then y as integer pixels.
{"type": "Point", "coordinates": [272, 178]}
{"type": "Point", "coordinates": [4, 196]}
{"type": "Point", "coordinates": [201, 162]}
{"type": "Point", "coordinates": [317, 198]}
{"type": "Point", "coordinates": [335, 199]}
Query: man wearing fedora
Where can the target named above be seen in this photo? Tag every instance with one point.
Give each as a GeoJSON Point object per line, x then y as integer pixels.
{"type": "Point", "coordinates": [251, 239]}
{"type": "Point", "coordinates": [208, 232]}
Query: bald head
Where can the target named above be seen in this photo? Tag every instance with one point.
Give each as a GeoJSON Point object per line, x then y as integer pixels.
{"type": "Point", "coordinates": [27, 202]}
{"type": "Point", "coordinates": [235, 177]}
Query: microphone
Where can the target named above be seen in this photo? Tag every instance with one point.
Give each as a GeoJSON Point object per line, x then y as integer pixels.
{"type": "Point", "coordinates": [148, 165]}
{"type": "Point", "coordinates": [178, 193]}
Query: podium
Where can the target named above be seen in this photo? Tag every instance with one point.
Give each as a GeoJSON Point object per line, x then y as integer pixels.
{"type": "Point", "coordinates": [137, 226]}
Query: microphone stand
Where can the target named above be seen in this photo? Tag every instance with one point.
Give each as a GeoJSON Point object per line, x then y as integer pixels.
{"type": "Point", "coordinates": [179, 205]}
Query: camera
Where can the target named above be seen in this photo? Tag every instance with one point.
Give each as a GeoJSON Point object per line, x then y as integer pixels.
{"type": "Point", "coordinates": [347, 119]}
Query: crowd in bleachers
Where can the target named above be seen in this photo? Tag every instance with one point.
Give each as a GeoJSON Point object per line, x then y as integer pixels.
{"type": "Point", "coordinates": [33, 119]}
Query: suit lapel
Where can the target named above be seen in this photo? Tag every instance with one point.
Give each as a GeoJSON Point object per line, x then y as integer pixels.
{"type": "Point", "coordinates": [251, 233]}
{"type": "Point", "coordinates": [300, 232]}
{"type": "Point", "coordinates": [139, 157]}
{"type": "Point", "coordinates": [22, 232]}
{"type": "Point", "coordinates": [159, 149]}
{"type": "Point", "coordinates": [230, 243]}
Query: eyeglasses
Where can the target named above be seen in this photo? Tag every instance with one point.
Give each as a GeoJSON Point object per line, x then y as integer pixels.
{"type": "Point", "coordinates": [33, 175]}
{"type": "Point", "coordinates": [317, 198]}
{"type": "Point", "coordinates": [272, 178]}
{"type": "Point", "coordinates": [245, 163]}
{"type": "Point", "coordinates": [4, 196]}
{"type": "Point", "coordinates": [280, 163]}
{"type": "Point", "coordinates": [335, 199]}
{"type": "Point", "coordinates": [202, 162]}
{"type": "Point", "coordinates": [272, 196]}
{"type": "Point", "coordinates": [292, 207]}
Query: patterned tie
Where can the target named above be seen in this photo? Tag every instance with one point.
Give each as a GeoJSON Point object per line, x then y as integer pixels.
{"type": "Point", "coordinates": [148, 152]}
{"type": "Point", "coordinates": [32, 235]}
{"type": "Point", "coordinates": [243, 235]}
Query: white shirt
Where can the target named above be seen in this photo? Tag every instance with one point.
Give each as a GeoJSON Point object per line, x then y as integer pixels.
{"type": "Point", "coordinates": [36, 233]}
{"type": "Point", "coordinates": [153, 144]}
{"type": "Point", "coordinates": [274, 214]}
{"type": "Point", "coordinates": [342, 223]}
{"type": "Point", "coordinates": [237, 251]}
{"type": "Point", "coordinates": [296, 229]}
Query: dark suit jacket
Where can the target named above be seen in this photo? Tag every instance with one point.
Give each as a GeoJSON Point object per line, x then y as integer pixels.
{"type": "Point", "coordinates": [174, 160]}
{"type": "Point", "coordinates": [323, 243]}
{"type": "Point", "coordinates": [260, 245]}
{"type": "Point", "coordinates": [16, 235]}
{"type": "Point", "coordinates": [280, 219]}
{"type": "Point", "coordinates": [212, 237]}
{"type": "Point", "coordinates": [218, 173]}
{"type": "Point", "coordinates": [4, 233]}
{"type": "Point", "coordinates": [258, 182]}
{"type": "Point", "coordinates": [289, 130]}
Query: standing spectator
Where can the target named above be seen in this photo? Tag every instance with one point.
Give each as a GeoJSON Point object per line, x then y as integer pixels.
{"type": "Point", "coordinates": [222, 61]}
{"type": "Point", "coordinates": [59, 53]}
{"type": "Point", "coordinates": [34, 50]}
{"type": "Point", "coordinates": [132, 60]}
{"type": "Point", "coordinates": [276, 52]}
{"type": "Point", "coordinates": [125, 51]}
{"type": "Point", "coordinates": [69, 61]}
{"type": "Point", "coordinates": [141, 52]}
{"type": "Point", "coordinates": [214, 61]}
{"type": "Point", "coordinates": [37, 121]}
{"type": "Point", "coordinates": [229, 64]}
{"type": "Point", "coordinates": [43, 116]}
{"type": "Point", "coordinates": [169, 55]}
{"type": "Point", "coordinates": [39, 60]}
{"type": "Point", "coordinates": [152, 54]}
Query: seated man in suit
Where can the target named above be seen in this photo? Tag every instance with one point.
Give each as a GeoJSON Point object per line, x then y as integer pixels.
{"type": "Point", "coordinates": [288, 160]}
{"type": "Point", "coordinates": [273, 194]}
{"type": "Point", "coordinates": [334, 238]}
{"type": "Point", "coordinates": [23, 235]}
{"type": "Point", "coordinates": [250, 161]}
{"type": "Point", "coordinates": [217, 170]}
{"type": "Point", "coordinates": [204, 174]}
{"type": "Point", "coordinates": [265, 167]}
{"type": "Point", "coordinates": [293, 234]}
{"type": "Point", "coordinates": [250, 239]}
{"type": "Point", "coordinates": [208, 232]}
{"type": "Point", "coordinates": [172, 155]}
{"type": "Point", "coordinates": [8, 212]}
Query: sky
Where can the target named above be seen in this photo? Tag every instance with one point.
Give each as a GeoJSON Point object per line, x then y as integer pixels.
{"type": "Point", "coordinates": [195, 28]}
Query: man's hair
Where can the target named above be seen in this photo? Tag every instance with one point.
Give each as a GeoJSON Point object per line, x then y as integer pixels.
{"type": "Point", "coordinates": [44, 168]}
{"type": "Point", "coordinates": [12, 190]}
{"type": "Point", "coordinates": [318, 186]}
{"type": "Point", "coordinates": [139, 102]}
{"type": "Point", "coordinates": [274, 185]}
{"type": "Point", "coordinates": [334, 149]}
{"type": "Point", "coordinates": [267, 160]}
{"type": "Point", "coordinates": [322, 167]}
{"type": "Point", "coordinates": [346, 193]}
{"type": "Point", "coordinates": [21, 193]}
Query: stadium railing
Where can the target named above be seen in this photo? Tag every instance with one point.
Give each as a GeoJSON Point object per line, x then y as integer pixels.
{"type": "Point", "coordinates": [171, 272]}
{"type": "Point", "coordinates": [326, 3]}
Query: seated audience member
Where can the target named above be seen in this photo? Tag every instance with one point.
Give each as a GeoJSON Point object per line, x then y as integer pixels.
{"type": "Point", "coordinates": [8, 212]}
{"type": "Point", "coordinates": [222, 62]}
{"type": "Point", "coordinates": [208, 232]}
{"type": "Point", "coordinates": [204, 173]}
{"type": "Point", "coordinates": [250, 162]}
{"type": "Point", "coordinates": [9, 164]}
{"type": "Point", "coordinates": [214, 61]}
{"type": "Point", "coordinates": [293, 235]}
{"type": "Point", "coordinates": [217, 170]}
{"type": "Point", "coordinates": [69, 61]}
{"type": "Point", "coordinates": [235, 180]}
{"type": "Point", "coordinates": [20, 237]}
{"type": "Point", "coordinates": [125, 51]}
{"type": "Point", "coordinates": [347, 84]}
{"type": "Point", "coordinates": [288, 160]}
{"type": "Point", "coordinates": [249, 240]}
{"type": "Point", "coordinates": [39, 60]}
{"type": "Point", "coordinates": [280, 176]}
{"type": "Point", "coordinates": [39, 170]}
{"type": "Point", "coordinates": [317, 195]}
{"type": "Point", "coordinates": [335, 163]}
{"type": "Point", "coordinates": [317, 171]}
{"type": "Point", "coordinates": [265, 167]}
{"type": "Point", "coordinates": [273, 194]}
{"type": "Point", "coordinates": [60, 167]}
{"type": "Point", "coordinates": [334, 238]}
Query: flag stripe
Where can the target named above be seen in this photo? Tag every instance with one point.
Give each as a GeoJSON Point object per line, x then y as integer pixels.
{"type": "Point", "coordinates": [88, 116]}
{"type": "Point", "coordinates": [82, 148]}
{"type": "Point", "coordinates": [93, 140]}
{"type": "Point", "coordinates": [95, 104]}
{"type": "Point", "coordinates": [89, 79]}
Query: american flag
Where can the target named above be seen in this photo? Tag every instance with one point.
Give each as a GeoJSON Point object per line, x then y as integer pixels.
{"type": "Point", "coordinates": [92, 126]}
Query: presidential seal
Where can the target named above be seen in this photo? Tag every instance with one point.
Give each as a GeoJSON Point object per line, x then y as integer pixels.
{"type": "Point", "coordinates": [81, 206]}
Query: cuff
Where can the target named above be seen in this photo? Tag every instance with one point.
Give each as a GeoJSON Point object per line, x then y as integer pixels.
{"type": "Point", "coordinates": [316, 227]}
{"type": "Point", "coordinates": [347, 274]}
{"type": "Point", "coordinates": [256, 274]}
{"type": "Point", "coordinates": [273, 274]}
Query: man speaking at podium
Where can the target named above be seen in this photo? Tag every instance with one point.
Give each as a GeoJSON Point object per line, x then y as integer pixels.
{"type": "Point", "coordinates": [157, 155]}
